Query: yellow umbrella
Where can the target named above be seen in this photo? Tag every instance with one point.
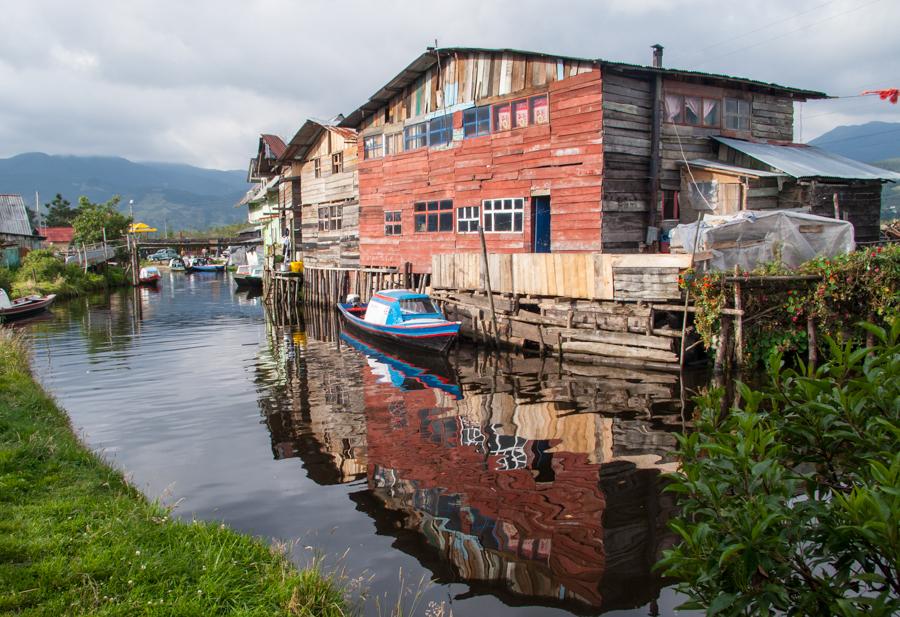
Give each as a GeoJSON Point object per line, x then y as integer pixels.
{"type": "Point", "coordinates": [141, 228]}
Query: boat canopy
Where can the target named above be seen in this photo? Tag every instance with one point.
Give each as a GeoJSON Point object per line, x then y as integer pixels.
{"type": "Point", "coordinates": [398, 306]}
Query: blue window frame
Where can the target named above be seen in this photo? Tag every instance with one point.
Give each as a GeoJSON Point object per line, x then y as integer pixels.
{"type": "Point", "coordinates": [477, 121]}
{"type": "Point", "coordinates": [415, 136]}
{"type": "Point", "coordinates": [440, 130]}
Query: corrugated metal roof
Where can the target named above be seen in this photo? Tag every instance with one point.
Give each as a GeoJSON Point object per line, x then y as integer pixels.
{"type": "Point", "coordinates": [13, 216]}
{"type": "Point", "coordinates": [275, 144]}
{"type": "Point", "coordinates": [308, 134]}
{"type": "Point", "coordinates": [803, 161]}
{"type": "Point", "coordinates": [428, 59]}
{"type": "Point", "coordinates": [731, 169]}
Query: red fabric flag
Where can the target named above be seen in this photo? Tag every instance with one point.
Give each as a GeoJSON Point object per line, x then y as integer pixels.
{"type": "Point", "coordinates": [891, 94]}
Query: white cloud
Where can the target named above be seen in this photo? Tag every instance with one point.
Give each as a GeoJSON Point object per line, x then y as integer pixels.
{"type": "Point", "coordinates": [197, 82]}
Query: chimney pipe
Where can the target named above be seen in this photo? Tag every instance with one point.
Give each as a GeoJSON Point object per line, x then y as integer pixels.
{"type": "Point", "coordinates": [657, 55]}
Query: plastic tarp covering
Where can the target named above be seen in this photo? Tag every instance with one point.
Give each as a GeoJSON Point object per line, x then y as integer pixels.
{"type": "Point", "coordinates": [750, 238]}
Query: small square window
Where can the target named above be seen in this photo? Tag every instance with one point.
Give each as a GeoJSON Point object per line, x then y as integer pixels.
{"type": "Point", "coordinates": [520, 113]}
{"type": "Point", "coordinates": [392, 225]}
{"type": "Point", "coordinates": [337, 162]}
{"type": "Point", "coordinates": [317, 168]}
{"type": "Point", "coordinates": [476, 121]}
{"type": "Point", "coordinates": [502, 117]}
{"type": "Point", "coordinates": [415, 136]}
{"type": "Point", "coordinates": [372, 147]}
{"type": "Point", "coordinates": [393, 143]}
{"type": "Point", "coordinates": [540, 109]}
{"type": "Point", "coordinates": [467, 219]}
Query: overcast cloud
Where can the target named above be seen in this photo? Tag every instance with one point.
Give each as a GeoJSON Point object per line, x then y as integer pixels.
{"type": "Point", "coordinates": [196, 82]}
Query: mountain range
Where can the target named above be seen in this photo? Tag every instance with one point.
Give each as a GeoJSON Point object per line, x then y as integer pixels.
{"type": "Point", "coordinates": [165, 195]}
{"type": "Point", "coordinates": [876, 143]}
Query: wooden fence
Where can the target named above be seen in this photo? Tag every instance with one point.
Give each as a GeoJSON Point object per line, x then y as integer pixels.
{"type": "Point", "coordinates": [590, 276]}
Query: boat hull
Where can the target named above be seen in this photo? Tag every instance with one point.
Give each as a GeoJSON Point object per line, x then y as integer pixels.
{"type": "Point", "coordinates": [244, 281]}
{"type": "Point", "coordinates": [149, 280]}
{"type": "Point", "coordinates": [433, 338]}
{"type": "Point", "coordinates": [26, 309]}
{"type": "Point", "coordinates": [206, 268]}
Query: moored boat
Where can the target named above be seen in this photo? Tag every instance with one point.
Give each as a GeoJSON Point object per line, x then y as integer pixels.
{"type": "Point", "coordinates": [202, 264]}
{"type": "Point", "coordinates": [149, 276]}
{"type": "Point", "coordinates": [403, 317]}
{"type": "Point", "coordinates": [177, 265]}
{"type": "Point", "coordinates": [246, 276]}
{"type": "Point", "coordinates": [23, 307]}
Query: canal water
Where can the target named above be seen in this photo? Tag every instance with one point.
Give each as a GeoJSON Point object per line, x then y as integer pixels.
{"type": "Point", "coordinates": [507, 486]}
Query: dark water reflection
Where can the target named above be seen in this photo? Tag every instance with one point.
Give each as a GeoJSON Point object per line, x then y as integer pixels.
{"type": "Point", "coordinates": [518, 486]}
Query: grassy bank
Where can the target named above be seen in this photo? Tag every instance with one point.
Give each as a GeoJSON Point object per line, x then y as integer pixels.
{"type": "Point", "coordinates": [76, 539]}
{"type": "Point", "coordinates": [42, 273]}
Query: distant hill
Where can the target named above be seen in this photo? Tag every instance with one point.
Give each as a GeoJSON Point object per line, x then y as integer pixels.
{"type": "Point", "coordinates": [870, 142]}
{"type": "Point", "coordinates": [183, 196]}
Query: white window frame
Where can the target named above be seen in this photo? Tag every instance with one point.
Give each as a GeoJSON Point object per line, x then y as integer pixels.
{"type": "Point", "coordinates": [491, 208]}
{"type": "Point", "coordinates": [396, 138]}
{"type": "Point", "coordinates": [468, 215]}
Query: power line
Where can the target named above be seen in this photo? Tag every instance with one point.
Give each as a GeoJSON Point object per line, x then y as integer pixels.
{"type": "Point", "coordinates": [766, 26]}
{"type": "Point", "coordinates": [779, 36]}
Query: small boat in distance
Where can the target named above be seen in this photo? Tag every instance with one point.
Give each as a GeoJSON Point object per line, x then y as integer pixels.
{"type": "Point", "coordinates": [202, 264]}
{"type": "Point", "coordinates": [248, 276]}
{"type": "Point", "coordinates": [177, 265]}
{"type": "Point", "coordinates": [149, 276]}
{"type": "Point", "coordinates": [23, 307]}
{"type": "Point", "coordinates": [403, 317]}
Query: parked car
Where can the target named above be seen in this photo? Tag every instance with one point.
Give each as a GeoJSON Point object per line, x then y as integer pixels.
{"type": "Point", "coordinates": [163, 255]}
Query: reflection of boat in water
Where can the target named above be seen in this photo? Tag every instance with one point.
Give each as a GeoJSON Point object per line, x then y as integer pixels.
{"type": "Point", "coordinates": [23, 307]}
{"type": "Point", "coordinates": [432, 371]}
{"type": "Point", "coordinates": [402, 317]}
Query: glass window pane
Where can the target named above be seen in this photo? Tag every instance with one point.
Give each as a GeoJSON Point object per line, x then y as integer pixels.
{"type": "Point", "coordinates": [520, 113]}
{"type": "Point", "coordinates": [446, 221]}
{"type": "Point", "coordinates": [502, 118]}
{"type": "Point", "coordinates": [432, 222]}
{"type": "Point", "coordinates": [517, 221]}
{"type": "Point", "coordinates": [420, 222]}
{"type": "Point", "coordinates": [711, 112]}
{"type": "Point", "coordinates": [432, 205]}
{"type": "Point", "coordinates": [503, 221]}
{"type": "Point", "coordinates": [420, 206]}
{"type": "Point", "coordinates": [692, 110]}
{"type": "Point", "coordinates": [446, 204]}
{"type": "Point", "coordinates": [674, 103]}
{"type": "Point", "coordinates": [540, 110]}
{"type": "Point", "coordinates": [507, 204]}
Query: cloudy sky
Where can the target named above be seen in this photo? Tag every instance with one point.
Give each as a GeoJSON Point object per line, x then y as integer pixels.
{"type": "Point", "coordinates": [196, 82]}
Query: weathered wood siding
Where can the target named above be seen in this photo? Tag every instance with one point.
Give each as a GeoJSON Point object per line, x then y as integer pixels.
{"type": "Point", "coordinates": [330, 247]}
{"type": "Point", "coordinates": [591, 276]}
{"type": "Point", "coordinates": [562, 159]}
{"type": "Point", "coordinates": [465, 78]}
{"type": "Point", "coordinates": [627, 118]}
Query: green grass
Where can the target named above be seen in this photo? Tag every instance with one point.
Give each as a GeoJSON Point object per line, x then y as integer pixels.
{"type": "Point", "coordinates": [76, 539]}
{"type": "Point", "coordinates": [42, 273]}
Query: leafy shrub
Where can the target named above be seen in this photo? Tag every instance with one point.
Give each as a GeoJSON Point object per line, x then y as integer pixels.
{"type": "Point", "coordinates": [6, 278]}
{"type": "Point", "coordinates": [791, 503]}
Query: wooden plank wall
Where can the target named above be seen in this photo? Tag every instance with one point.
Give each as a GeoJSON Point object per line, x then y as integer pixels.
{"type": "Point", "coordinates": [473, 76]}
{"type": "Point", "coordinates": [590, 276]}
{"type": "Point", "coordinates": [330, 248]}
{"type": "Point", "coordinates": [562, 159]}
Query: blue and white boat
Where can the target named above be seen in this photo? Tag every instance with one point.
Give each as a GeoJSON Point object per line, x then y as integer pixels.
{"type": "Point", "coordinates": [202, 264]}
{"type": "Point", "coordinates": [403, 317]}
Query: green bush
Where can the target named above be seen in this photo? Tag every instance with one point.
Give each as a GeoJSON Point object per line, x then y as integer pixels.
{"type": "Point", "coordinates": [791, 502]}
{"type": "Point", "coordinates": [6, 279]}
{"type": "Point", "coordinates": [43, 273]}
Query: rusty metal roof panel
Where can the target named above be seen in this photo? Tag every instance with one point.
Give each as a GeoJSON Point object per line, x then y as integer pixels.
{"type": "Point", "coordinates": [13, 216]}
{"type": "Point", "coordinates": [731, 169]}
{"type": "Point", "coordinates": [803, 161]}
{"type": "Point", "coordinates": [275, 144]}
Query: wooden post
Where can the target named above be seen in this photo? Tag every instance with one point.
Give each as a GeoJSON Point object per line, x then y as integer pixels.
{"type": "Point", "coordinates": [837, 206]}
{"type": "Point", "coordinates": [687, 292]}
{"type": "Point", "coordinates": [722, 349]}
{"type": "Point", "coordinates": [738, 324]}
{"type": "Point", "coordinates": [812, 351]}
{"type": "Point", "coordinates": [487, 285]}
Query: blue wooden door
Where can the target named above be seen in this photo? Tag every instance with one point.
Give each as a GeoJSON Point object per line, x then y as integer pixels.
{"type": "Point", "coordinates": [541, 224]}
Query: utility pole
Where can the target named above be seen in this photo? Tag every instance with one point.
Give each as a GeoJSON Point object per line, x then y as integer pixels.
{"type": "Point", "coordinates": [37, 209]}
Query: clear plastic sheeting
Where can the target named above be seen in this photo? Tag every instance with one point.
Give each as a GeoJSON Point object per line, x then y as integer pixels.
{"type": "Point", "coordinates": [750, 238]}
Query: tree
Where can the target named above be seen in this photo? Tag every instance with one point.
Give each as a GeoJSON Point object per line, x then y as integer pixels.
{"type": "Point", "coordinates": [93, 218]}
{"type": "Point", "coordinates": [791, 503]}
{"type": "Point", "coordinates": [59, 212]}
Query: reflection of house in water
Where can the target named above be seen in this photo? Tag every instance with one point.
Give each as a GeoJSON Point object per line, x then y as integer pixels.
{"type": "Point", "coordinates": [521, 490]}
{"type": "Point", "coordinates": [311, 405]}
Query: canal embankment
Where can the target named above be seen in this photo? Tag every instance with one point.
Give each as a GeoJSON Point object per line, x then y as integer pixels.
{"type": "Point", "coordinates": [76, 538]}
